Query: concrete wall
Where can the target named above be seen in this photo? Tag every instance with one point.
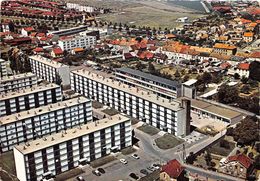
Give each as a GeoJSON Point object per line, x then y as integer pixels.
{"type": "Point", "coordinates": [19, 165]}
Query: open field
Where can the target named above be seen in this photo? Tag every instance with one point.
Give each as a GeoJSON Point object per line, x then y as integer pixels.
{"type": "Point", "coordinates": [148, 16]}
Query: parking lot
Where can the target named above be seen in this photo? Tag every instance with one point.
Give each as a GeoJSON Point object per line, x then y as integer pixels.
{"type": "Point", "coordinates": [116, 170]}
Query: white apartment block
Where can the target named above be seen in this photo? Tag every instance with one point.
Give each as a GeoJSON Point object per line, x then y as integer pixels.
{"type": "Point", "coordinates": [25, 99]}
{"type": "Point", "coordinates": [16, 82]}
{"type": "Point", "coordinates": [35, 123]}
{"type": "Point", "coordinates": [77, 42]}
{"type": "Point", "coordinates": [88, 9]}
{"type": "Point", "coordinates": [3, 68]}
{"type": "Point", "coordinates": [165, 114]}
{"type": "Point", "coordinates": [49, 70]}
{"type": "Point", "coordinates": [68, 149]}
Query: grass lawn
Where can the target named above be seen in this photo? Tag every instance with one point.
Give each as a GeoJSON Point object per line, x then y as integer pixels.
{"type": "Point", "coordinates": [149, 129]}
{"type": "Point", "coordinates": [97, 105]}
{"type": "Point", "coordinates": [168, 141]}
{"type": "Point", "coordinates": [217, 149]}
{"type": "Point", "coordinates": [102, 161]}
{"type": "Point", "coordinates": [7, 164]}
{"type": "Point", "coordinates": [110, 111]}
{"type": "Point", "coordinates": [128, 150]}
{"type": "Point", "coordinates": [69, 174]}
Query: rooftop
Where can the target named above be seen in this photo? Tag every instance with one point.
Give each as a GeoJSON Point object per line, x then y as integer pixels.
{"type": "Point", "coordinates": [16, 77]}
{"type": "Point", "coordinates": [173, 168]}
{"type": "Point", "coordinates": [41, 110]}
{"type": "Point", "coordinates": [241, 158]}
{"type": "Point", "coordinates": [149, 76]}
{"type": "Point", "coordinates": [27, 91]}
{"type": "Point", "coordinates": [70, 134]}
{"type": "Point", "coordinates": [224, 46]}
{"type": "Point", "coordinates": [173, 105]}
{"type": "Point", "coordinates": [47, 61]}
{"type": "Point", "coordinates": [213, 109]}
{"type": "Point", "coordinates": [190, 82]}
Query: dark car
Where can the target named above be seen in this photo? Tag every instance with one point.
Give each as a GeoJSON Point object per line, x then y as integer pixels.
{"type": "Point", "coordinates": [144, 171]}
{"type": "Point", "coordinates": [134, 176]}
{"type": "Point", "coordinates": [96, 172]}
{"type": "Point", "coordinates": [101, 170]}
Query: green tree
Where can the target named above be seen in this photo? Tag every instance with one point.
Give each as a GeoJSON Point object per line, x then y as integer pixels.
{"type": "Point", "coordinates": [227, 94]}
{"type": "Point", "coordinates": [236, 76]}
{"type": "Point", "coordinates": [177, 74]}
{"type": "Point", "coordinates": [244, 79]}
{"type": "Point", "coordinates": [254, 71]}
{"type": "Point", "coordinates": [245, 89]}
{"type": "Point", "coordinates": [140, 66]}
{"type": "Point", "coordinates": [151, 68]}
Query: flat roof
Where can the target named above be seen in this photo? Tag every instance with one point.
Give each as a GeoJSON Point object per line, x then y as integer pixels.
{"type": "Point", "coordinates": [16, 77]}
{"type": "Point", "coordinates": [151, 97]}
{"type": "Point", "coordinates": [57, 138]}
{"type": "Point", "coordinates": [42, 110]}
{"type": "Point", "coordinates": [190, 82]}
{"type": "Point", "coordinates": [26, 91]}
{"type": "Point", "coordinates": [213, 109]}
{"type": "Point", "coordinates": [149, 76]}
{"type": "Point", "coordinates": [47, 61]}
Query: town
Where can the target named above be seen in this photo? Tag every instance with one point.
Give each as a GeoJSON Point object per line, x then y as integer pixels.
{"type": "Point", "coordinates": [84, 98]}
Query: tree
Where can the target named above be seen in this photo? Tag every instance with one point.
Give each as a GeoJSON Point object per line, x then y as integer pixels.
{"type": "Point", "coordinates": [245, 89]}
{"type": "Point", "coordinates": [186, 78]}
{"type": "Point", "coordinates": [140, 66]}
{"type": "Point", "coordinates": [151, 68]}
{"type": "Point", "coordinates": [227, 94]}
{"type": "Point", "coordinates": [254, 71]}
{"type": "Point", "coordinates": [244, 79]}
{"type": "Point", "coordinates": [177, 74]}
{"type": "Point", "coordinates": [224, 143]}
{"type": "Point", "coordinates": [206, 77]}
{"type": "Point", "coordinates": [236, 76]}
{"type": "Point", "coordinates": [208, 158]}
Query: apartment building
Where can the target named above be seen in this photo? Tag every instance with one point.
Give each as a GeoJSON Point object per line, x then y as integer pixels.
{"type": "Point", "coordinates": [68, 149]}
{"type": "Point", "coordinates": [49, 70]}
{"type": "Point", "coordinates": [16, 82]}
{"type": "Point", "coordinates": [77, 42]}
{"type": "Point", "coordinates": [25, 99]}
{"type": "Point", "coordinates": [35, 123]}
{"type": "Point", "coordinates": [3, 69]}
{"type": "Point", "coordinates": [162, 113]}
{"type": "Point", "coordinates": [224, 49]}
{"type": "Point", "coordinates": [157, 85]}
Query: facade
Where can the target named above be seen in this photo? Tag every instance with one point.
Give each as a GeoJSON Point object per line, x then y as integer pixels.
{"type": "Point", "coordinates": [25, 99]}
{"type": "Point", "coordinates": [88, 9]}
{"type": "Point", "coordinates": [224, 49]}
{"type": "Point", "coordinates": [189, 88]}
{"type": "Point", "coordinates": [165, 114]}
{"type": "Point", "coordinates": [237, 165]}
{"type": "Point", "coordinates": [50, 70]}
{"type": "Point", "coordinates": [77, 42]}
{"type": "Point", "coordinates": [16, 82]}
{"type": "Point", "coordinates": [63, 151]}
{"type": "Point", "coordinates": [35, 123]}
{"type": "Point", "coordinates": [3, 68]}
{"type": "Point", "coordinates": [157, 85]}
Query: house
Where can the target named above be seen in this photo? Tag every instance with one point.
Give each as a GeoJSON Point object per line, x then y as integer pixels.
{"type": "Point", "coordinates": [56, 52]}
{"type": "Point", "coordinates": [248, 37]}
{"type": "Point", "coordinates": [160, 57]}
{"type": "Point", "coordinates": [128, 56]}
{"type": "Point", "coordinates": [172, 171]}
{"type": "Point", "coordinates": [38, 50]}
{"type": "Point", "coordinates": [27, 31]}
{"type": "Point", "coordinates": [77, 50]}
{"type": "Point", "coordinates": [225, 49]}
{"type": "Point", "coordinates": [237, 165]}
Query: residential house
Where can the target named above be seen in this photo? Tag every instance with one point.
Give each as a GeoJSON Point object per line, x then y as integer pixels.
{"type": "Point", "coordinates": [56, 52]}
{"type": "Point", "coordinates": [225, 49]}
{"type": "Point", "coordinates": [237, 165]}
{"type": "Point", "coordinates": [173, 171]}
{"type": "Point", "coordinates": [248, 37]}
{"type": "Point", "coordinates": [27, 31]}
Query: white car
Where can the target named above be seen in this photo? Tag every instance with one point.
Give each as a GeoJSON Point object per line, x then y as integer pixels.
{"type": "Point", "coordinates": [122, 160]}
{"type": "Point", "coordinates": [135, 156]}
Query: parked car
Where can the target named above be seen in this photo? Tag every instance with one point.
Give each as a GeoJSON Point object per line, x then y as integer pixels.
{"type": "Point", "coordinates": [101, 170]}
{"type": "Point", "coordinates": [96, 172]}
{"type": "Point", "coordinates": [135, 156]}
{"type": "Point", "coordinates": [156, 166]}
{"type": "Point", "coordinates": [144, 171]}
{"type": "Point", "coordinates": [134, 176]}
{"type": "Point", "coordinates": [122, 160]}
{"type": "Point", "coordinates": [80, 178]}
{"type": "Point", "coordinates": [151, 168]}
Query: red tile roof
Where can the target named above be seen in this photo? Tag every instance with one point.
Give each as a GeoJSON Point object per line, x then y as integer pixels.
{"type": "Point", "coordinates": [243, 66]}
{"type": "Point", "coordinates": [29, 29]}
{"type": "Point", "coordinates": [255, 55]}
{"type": "Point", "coordinates": [225, 65]}
{"type": "Point", "coordinates": [38, 49]}
{"type": "Point", "coordinates": [173, 168]}
{"type": "Point", "coordinates": [242, 159]}
{"type": "Point", "coordinates": [57, 51]}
